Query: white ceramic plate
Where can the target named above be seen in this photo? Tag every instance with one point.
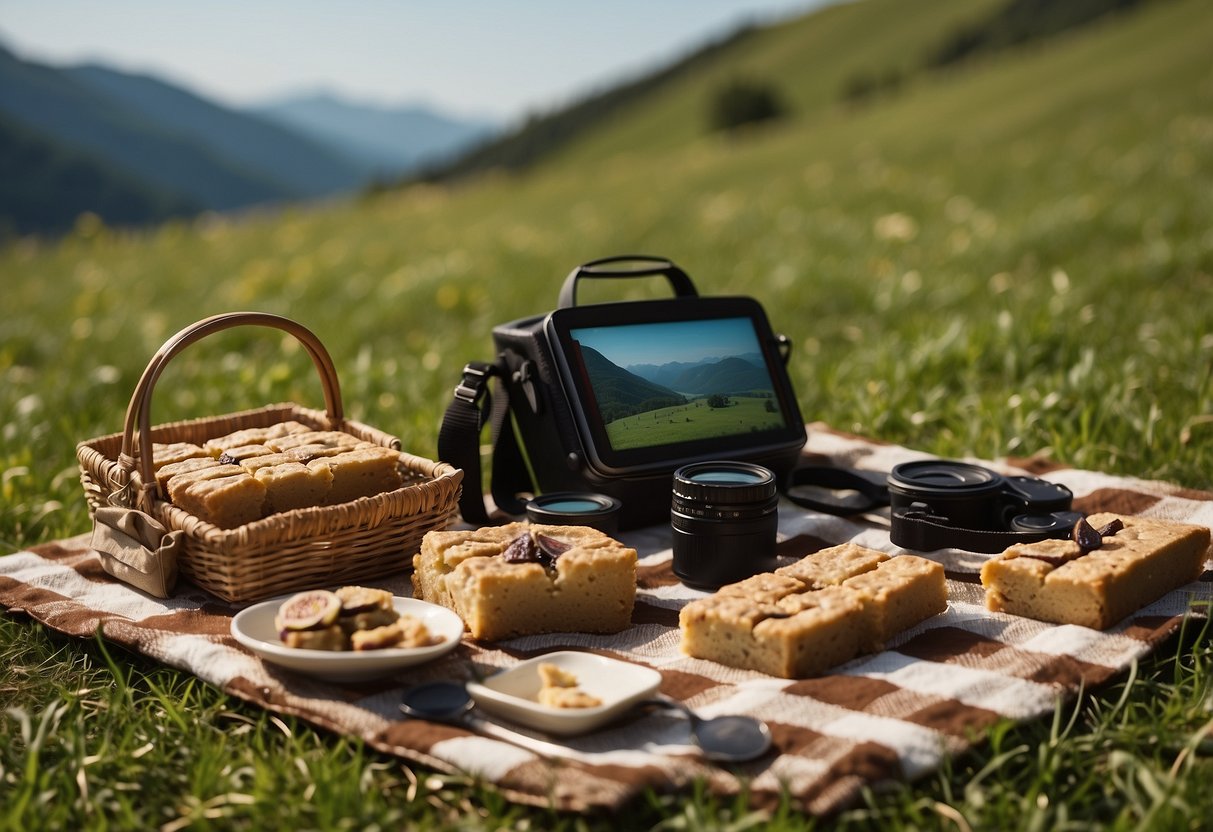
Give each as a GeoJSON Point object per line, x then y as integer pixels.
{"type": "Point", "coordinates": [254, 628]}
{"type": "Point", "coordinates": [513, 693]}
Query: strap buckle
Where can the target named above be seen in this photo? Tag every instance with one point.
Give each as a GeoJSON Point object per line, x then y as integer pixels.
{"type": "Point", "coordinates": [472, 386]}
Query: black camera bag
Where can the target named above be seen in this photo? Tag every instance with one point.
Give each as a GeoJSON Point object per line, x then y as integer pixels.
{"type": "Point", "coordinates": [529, 405]}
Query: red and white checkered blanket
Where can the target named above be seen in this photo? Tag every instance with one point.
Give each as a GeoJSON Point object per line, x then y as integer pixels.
{"type": "Point", "coordinates": [892, 715]}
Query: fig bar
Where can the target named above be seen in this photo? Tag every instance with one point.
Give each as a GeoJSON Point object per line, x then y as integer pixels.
{"type": "Point", "coordinates": [1095, 582]}
{"type": "Point", "coordinates": [521, 579]}
{"type": "Point", "coordinates": [821, 611]}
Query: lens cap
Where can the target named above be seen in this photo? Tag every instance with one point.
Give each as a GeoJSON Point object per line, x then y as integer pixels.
{"type": "Point", "coordinates": [576, 508]}
{"type": "Point", "coordinates": [928, 478]}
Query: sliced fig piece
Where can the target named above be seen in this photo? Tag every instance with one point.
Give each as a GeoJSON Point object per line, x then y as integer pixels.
{"type": "Point", "coordinates": [550, 549]}
{"type": "Point", "coordinates": [309, 610]}
{"type": "Point", "coordinates": [521, 550]}
{"type": "Point", "coordinates": [356, 599]}
{"type": "Point", "coordinates": [555, 548]}
{"type": "Point", "coordinates": [1086, 537]}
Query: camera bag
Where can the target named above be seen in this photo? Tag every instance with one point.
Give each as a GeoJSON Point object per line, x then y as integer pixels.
{"type": "Point", "coordinates": [534, 430]}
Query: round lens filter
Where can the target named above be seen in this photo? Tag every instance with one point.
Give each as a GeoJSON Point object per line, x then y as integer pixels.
{"type": "Point", "coordinates": [575, 508]}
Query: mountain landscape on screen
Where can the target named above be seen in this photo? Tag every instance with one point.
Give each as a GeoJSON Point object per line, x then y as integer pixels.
{"type": "Point", "coordinates": [616, 388]}
{"type": "Point", "coordinates": [621, 391]}
{"type": "Point", "coordinates": [685, 375]}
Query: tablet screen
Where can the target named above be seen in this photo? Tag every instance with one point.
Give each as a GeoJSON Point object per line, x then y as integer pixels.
{"type": "Point", "coordinates": [678, 381]}
{"type": "Point", "coordinates": [656, 382]}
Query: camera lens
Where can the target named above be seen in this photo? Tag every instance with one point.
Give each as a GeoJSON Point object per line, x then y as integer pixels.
{"type": "Point", "coordinates": [968, 496]}
{"type": "Point", "coordinates": [575, 508]}
{"type": "Point", "coordinates": [724, 516]}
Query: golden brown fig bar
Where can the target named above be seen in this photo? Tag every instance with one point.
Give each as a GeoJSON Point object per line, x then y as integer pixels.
{"type": "Point", "coordinates": [819, 612]}
{"type": "Point", "coordinates": [589, 586]}
{"type": "Point", "coordinates": [1058, 582]}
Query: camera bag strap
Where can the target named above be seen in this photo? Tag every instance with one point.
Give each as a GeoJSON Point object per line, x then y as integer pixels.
{"type": "Point", "coordinates": [472, 405]}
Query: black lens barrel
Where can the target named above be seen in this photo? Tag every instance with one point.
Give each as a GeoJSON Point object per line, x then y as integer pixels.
{"type": "Point", "coordinates": [724, 517]}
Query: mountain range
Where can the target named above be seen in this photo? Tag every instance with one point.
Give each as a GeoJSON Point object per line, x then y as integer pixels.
{"type": "Point", "coordinates": [675, 374]}
{"type": "Point", "coordinates": [134, 148]}
{"type": "Point", "coordinates": [620, 392]}
{"type": "Point", "coordinates": [623, 392]}
{"type": "Point", "coordinates": [380, 141]}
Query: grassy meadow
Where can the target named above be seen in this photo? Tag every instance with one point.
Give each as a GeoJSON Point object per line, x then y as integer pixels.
{"type": "Point", "coordinates": [1010, 258]}
{"type": "Point", "coordinates": [692, 421]}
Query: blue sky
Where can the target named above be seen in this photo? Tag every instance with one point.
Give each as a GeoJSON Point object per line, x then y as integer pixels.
{"type": "Point", "coordinates": [687, 341]}
{"type": "Point", "coordinates": [500, 60]}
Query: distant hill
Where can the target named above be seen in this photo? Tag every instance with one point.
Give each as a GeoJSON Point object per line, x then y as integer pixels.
{"type": "Point", "coordinates": [664, 374]}
{"type": "Point", "coordinates": [380, 140]}
{"type": "Point", "coordinates": [729, 375]}
{"type": "Point", "coordinates": [545, 134]}
{"type": "Point", "coordinates": [77, 115]}
{"type": "Point", "coordinates": [45, 186]}
{"type": "Point", "coordinates": [621, 393]}
{"type": "Point", "coordinates": [817, 62]}
{"type": "Point", "coordinates": [295, 163]}
{"type": "Point", "coordinates": [673, 373]}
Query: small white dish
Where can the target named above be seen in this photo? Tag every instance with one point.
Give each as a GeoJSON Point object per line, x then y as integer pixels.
{"type": "Point", "coordinates": [513, 694]}
{"type": "Point", "coordinates": [254, 628]}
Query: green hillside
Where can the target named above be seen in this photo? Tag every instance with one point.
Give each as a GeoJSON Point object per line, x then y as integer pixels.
{"type": "Point", "coordinates": [45, 186]}
{"type": "Point", "coordinates": [808, 61]}
{"type": "Point", "coordinates": [1010, 257]}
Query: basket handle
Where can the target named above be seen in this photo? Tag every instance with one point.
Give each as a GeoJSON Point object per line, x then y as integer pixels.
{"type": "Point", "coordinates": [139, 409]}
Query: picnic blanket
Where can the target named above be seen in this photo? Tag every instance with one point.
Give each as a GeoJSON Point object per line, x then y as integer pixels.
{"type": "Point", "coordinates": [894, 715]}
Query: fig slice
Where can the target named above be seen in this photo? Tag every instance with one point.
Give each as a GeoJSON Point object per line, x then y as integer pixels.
{"type": "Point", "coordinates": [550, 549]}
{"type": "Point", "coordinates": [521, 550]}
{"type": "Point", "coordinates": [309, 610]}
{"type": "Point", "coordinates": [1087, 538]}
{"type": "Point", "coordinates": [356, 599]}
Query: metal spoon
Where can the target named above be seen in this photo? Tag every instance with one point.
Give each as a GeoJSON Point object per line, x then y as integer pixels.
{"type": "Point", "coordinates": [730, 739]}
{"type": "Point", "coordinates": [437, 701]}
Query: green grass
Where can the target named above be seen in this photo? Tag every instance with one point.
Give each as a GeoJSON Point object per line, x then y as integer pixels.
{"type": "Point", "coordinates": [695, 420]}
{"type": "Point", "coordinates": [1010, 259]}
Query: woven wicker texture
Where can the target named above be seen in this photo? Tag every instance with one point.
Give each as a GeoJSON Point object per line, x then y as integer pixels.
{"type": "Point", "coordinates": [307, 547]}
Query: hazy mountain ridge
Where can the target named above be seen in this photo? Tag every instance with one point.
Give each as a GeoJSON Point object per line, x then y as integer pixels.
{"type": "Point", "coordinates": [833, 43]}
{"type": "Point", "coordinates": [672, 373]}
{"type": "Point", "coordinates": [299, 165]}
{"type": "Point", "coordinates": [378, 140]}
{"type": "Point", "coordinates": [613, 385]}
{"type": "Point", "coordinates": [45, 186]}
{"type": "Point", "coordinates": [621, 392]}
{"type": "Point", "coordinates": [133, 148]}
{"type": "Point", "coordinates": [729, 375]}
{"type": "Point", "coordinates": [49, 101]}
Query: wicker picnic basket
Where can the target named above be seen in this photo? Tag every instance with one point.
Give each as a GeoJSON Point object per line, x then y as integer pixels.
{"type": "Point", "coordinates": [367, 538]}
